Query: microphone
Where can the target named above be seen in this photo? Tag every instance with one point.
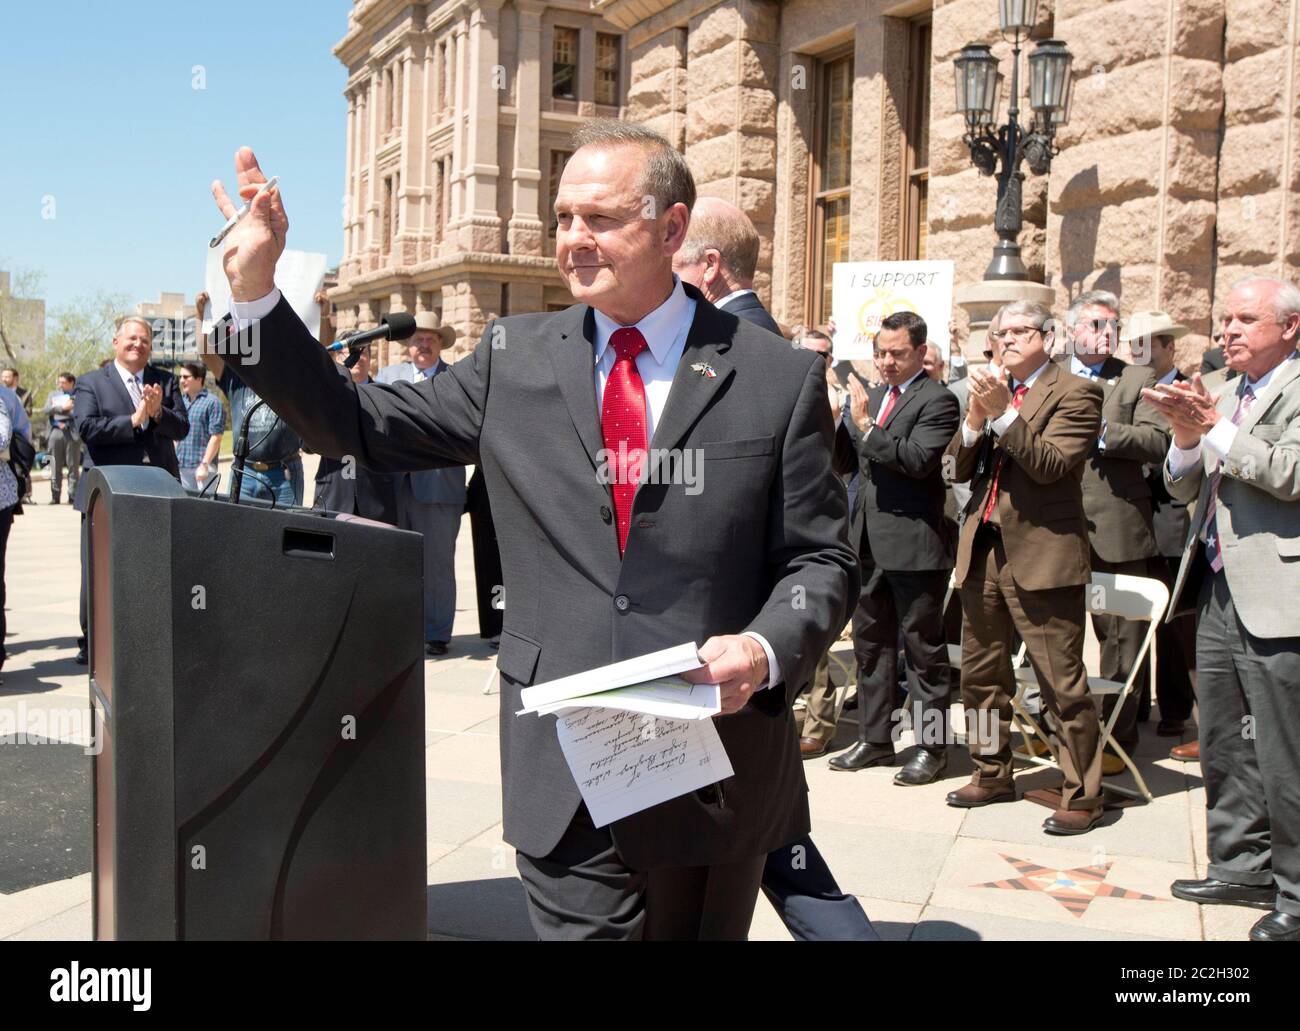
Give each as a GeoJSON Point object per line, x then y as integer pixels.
{"type": "Point", "coordinates": [397, 326]}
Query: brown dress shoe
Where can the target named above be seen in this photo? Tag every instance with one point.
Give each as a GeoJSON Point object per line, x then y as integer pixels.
{"type": "Point", "coordinates": [1072, 821]}
{"type": "Point", "coordinates": [812, 747]}
{"type": "Point", "coordinates": [973, 795]}
{"type": "Point", "coordinates": [1188, 753]}
{"type": "Point", "coordinates": [1111, 764]}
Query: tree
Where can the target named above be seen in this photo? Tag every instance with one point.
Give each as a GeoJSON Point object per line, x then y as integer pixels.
{"type": "Point", "coordinates": [78, 340]}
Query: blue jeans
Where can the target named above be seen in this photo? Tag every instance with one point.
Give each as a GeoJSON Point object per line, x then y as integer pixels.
{"type": "Point", "coordinates": [283, 484]}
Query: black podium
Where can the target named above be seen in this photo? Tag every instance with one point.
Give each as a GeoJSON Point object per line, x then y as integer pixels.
{"type": "Point", "coordinates": [257, 678]}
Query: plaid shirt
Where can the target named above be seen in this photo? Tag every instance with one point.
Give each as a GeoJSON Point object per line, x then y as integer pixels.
{"type": "Point", "coordinates": [207, 417]}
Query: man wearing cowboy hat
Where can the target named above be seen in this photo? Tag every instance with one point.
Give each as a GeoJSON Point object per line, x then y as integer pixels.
{"type": "Point", "coordinates": [431, 502]}
{"type": "Point", "coordinates": [1155, 333]}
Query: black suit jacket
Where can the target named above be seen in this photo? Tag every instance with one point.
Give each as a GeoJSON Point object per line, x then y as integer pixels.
{"type": "Point", "coordinates": [102, 410]}
{"type": "Point", "coordinates": [761, 545]}
{"type": "Point", "coordinates": [351, 488]}
{"type": "Point", "coordinates": [898, 515]}
{"type": "Point", "coordinates": [342, 485]}
{"type": "Point", "coordinates": [750, 308]}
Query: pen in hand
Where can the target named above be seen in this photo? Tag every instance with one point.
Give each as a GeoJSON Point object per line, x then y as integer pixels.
{"type": "Point", "coordinates": [234, 219]}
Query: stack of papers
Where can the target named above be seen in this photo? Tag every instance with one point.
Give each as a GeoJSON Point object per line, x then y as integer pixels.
{"type": "Point", "coordinates": [634, 733]}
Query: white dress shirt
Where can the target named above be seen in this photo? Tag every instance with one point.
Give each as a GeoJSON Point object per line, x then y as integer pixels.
{"type": "Point", "coordinates": [665, 330]}
{"type": "Point", "coordinates": [127, 376]}
{"type": "Point", "coordinates": [1219, 440]}
{"type": "Point", "coordinates": [1003, 422]}
{"type": "Point", "coordinates": [722, 301]}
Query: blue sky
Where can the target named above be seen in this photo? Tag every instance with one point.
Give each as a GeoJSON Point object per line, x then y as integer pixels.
{"type": "Point", "coordinates": [98, 112]}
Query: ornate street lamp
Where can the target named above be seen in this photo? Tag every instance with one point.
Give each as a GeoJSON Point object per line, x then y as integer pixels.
{"type": "Point", "coordinates": [979, 87]}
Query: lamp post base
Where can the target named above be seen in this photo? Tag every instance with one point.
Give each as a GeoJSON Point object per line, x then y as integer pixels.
{"type": "Point", "coordinates": [982, 300]}
{"type": "Point", "coordinates": [1006, 263]}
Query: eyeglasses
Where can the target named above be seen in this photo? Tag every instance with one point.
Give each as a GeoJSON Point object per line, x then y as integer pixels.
{"type": "Point", "coordinates": [1100, 326]}
{"type": "Point", "coordinates": [1018, 332]}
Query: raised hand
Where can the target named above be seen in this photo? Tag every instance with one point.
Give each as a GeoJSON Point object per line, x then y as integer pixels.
{"type": "Point", "coordinates": [256, 243]}
{"type": "Point", "coordinates": [860, 405]}
{"type": "Point", "coordinates": [152, 400]}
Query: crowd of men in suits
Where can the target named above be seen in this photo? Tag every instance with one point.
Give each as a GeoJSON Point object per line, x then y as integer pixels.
{"type": "Point", "coordinates": [922, 515]}
{"type": "Point", "coordinates": [1063, 461]}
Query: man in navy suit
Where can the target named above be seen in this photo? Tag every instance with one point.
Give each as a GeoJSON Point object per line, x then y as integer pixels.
{"type": "Point", "coordinates": [127, 413]}
{"type": "Point", "coordinates": [431, 502]}
{"type": "Point", "coordinates": [719, 257]}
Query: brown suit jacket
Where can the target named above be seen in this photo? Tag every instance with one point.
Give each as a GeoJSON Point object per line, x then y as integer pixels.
{"type": "Point", "coordinates": [1040, 501]}
{"type": "Point", "coordinates": [1116, 495]}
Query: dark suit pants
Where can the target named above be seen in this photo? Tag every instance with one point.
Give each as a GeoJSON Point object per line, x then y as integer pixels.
{"type": "Point", "coordinates": [1249, 693]}
{"type": "Point", "coordinates": [805, 895]}
{"type": "Point", "coordinates": [912, 602]}
{"type": "Point", "coordinates": [583, 891]}
{"type": "Point", "coordinates": [1121, 640]}
{"type": "Point", "coordinates": [1175, 654]}
{"type": "Point", "coordinates": [1051, 624]}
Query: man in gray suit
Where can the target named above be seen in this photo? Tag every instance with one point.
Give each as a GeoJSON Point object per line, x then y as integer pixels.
{"type": "Point", "coordinates": [431, 501]}
{"type": "Point", "coordinates": [719, 257]}
{"type": "Point", "coordinates": [1236, 452]}
{"type": "Point", "coordinates": [751, 558]}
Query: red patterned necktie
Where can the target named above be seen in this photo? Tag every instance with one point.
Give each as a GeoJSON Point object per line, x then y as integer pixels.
{"type": "Point", "coordinates": [1016, 398]}
{"type": "Point", "coordinates": [623, 424]}
{"type": "Point", "coordinates": [1212, 550]}
{"type": "Point", "coordinates": [889, 405]}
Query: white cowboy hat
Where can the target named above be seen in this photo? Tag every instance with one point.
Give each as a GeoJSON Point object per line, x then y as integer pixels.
{"type": "Point", "coordinates": [1145, 325]}
{"type": "Point", "coordinates": [429, 320]}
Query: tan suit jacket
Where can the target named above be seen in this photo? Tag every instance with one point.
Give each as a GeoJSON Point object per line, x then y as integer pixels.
{"type": "Point", "coordinates": [1258, 511]}
{"type": "Point", "coordinates": [1040, 501]}
{"type": "Point", "coordinates": [1116, 494]}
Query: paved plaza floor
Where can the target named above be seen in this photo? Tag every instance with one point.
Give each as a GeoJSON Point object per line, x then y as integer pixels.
{"type": "Point", "coordinates": [921, 869]}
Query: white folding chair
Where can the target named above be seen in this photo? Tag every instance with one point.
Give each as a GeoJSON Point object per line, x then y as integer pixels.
{"type": "Point", "coordinates": [1137, 598]}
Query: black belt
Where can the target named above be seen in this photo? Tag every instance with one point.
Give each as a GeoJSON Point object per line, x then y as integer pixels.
{"type": "Point", "coordinates": [263, 467]}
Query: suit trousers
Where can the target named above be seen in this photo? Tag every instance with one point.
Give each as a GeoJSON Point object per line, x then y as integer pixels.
{"type": "Point", "coordinates": [807, 898]}
{"type": "Point", "coordinates": [912, 602]}
{"type": "Point", "coordinates": [1248, 689]}
{"type": "Point", "coordinates": [439, 524]}
{"type": "Point", "coordinates": [819, 718]}
{"type": "Point", "coordinates": [65, 452]}
{"type": "Point", "coordinates": [1051, 622]}
{"type": "Point", "coordinates": [583, 891]}
{"type": "Point", "coordinates": [1121, 640]}
{"type": "Point", "coordinates": [1175, 654]}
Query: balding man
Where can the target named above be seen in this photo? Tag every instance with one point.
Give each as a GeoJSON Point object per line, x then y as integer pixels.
{"type": "Point", "coordinates": [1236, 453]}
{"type": "Point", "coordinates": [719, 258]}
{"type": "Point", "coordinates": [603, 564]}
{"type": "Point", "coordinates": [933, 364]}
{"type": "Point", "coordinates": [127, 413]}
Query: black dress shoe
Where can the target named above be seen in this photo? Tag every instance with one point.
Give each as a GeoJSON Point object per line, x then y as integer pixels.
{"type": "Point", "coordinates": [862, 755]}
{"type": "Point", "coordinates": [1276, 927]}
{"type": "Point", "coordinates": [924, 767]}
{"type": "Point", "coordinates": [81, 658]}
{"type": "Point", "coordinates": [435, 648]}
{"type": "Point", "coordinates": [1170, 728]}
{"type": "Point", "coordinates": [1211, 892]}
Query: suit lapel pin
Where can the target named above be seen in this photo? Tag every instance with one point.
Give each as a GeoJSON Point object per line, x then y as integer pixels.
{"type": "Point", "coordinates": [704, 369]}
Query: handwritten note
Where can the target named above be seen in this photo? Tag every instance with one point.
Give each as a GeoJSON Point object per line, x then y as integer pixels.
{"type": "Point", "coordinates": [624, 762]}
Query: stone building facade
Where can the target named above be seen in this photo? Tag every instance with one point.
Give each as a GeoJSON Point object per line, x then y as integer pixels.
{"type": "Point", "coordinates": [833, 124]}
{"type": "Point", "coordinates": [458, 122]}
